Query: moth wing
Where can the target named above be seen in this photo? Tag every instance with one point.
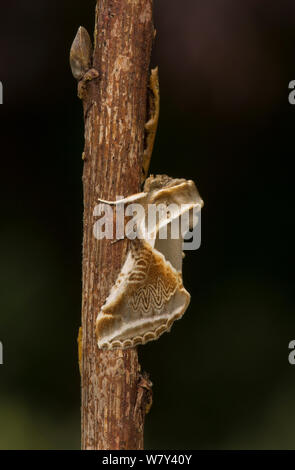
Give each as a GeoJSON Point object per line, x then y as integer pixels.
{"type": "Point", "coordinates": [146, 299]}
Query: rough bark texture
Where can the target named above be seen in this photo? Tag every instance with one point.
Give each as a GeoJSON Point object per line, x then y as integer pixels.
{"type": "Point", "coordinates": [115, 395]}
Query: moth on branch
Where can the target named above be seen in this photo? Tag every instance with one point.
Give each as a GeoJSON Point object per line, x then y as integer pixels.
{"type": "Point", "coordinates": [148, 295]}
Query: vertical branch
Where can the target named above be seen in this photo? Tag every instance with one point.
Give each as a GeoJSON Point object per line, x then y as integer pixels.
{"type": "Point", "coordinates": [114, 92]}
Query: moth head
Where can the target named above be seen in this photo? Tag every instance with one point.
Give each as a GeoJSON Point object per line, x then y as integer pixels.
{"type": "Point", "coordinates": [154, 183]}
{"type": "Point", "coordinates": [167, 190]}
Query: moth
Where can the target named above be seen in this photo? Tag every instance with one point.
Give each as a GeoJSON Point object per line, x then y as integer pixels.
{"type": "Point", "coordinates": [148, 295]}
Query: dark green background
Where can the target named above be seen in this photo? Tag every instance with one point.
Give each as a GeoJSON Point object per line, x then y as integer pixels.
{"type": "Point", "coordinates": [221, 377]}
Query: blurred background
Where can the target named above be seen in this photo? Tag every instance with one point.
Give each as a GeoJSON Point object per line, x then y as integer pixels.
{"type": "Point", "coordinates": [221, 378]}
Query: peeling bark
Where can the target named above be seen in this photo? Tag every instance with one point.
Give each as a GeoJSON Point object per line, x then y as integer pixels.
{"type": "Point", "coordinates": [115, 396]}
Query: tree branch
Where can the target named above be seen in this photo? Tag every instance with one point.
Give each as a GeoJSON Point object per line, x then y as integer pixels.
{"type": "Point", "coordinates": [115, 395]}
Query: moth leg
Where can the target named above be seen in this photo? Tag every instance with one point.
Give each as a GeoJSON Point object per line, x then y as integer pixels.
{"type": "Point", "coordinates": [152, 124]}
{"type": "Point", "coordinates": [116, 241]}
